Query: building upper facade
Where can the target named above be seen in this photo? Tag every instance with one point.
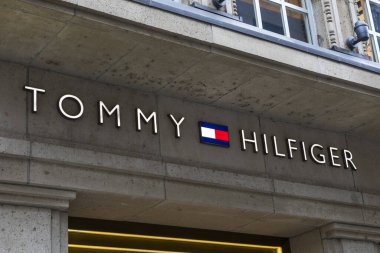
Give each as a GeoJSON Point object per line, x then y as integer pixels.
{"type": "Point", "coordinates": [320, 23]}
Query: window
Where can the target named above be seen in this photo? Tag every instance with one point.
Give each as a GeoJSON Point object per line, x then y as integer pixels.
{"type": "Point", "coordinates": [285, 17]}
{"type": "Point", "coordinates": [373, 18]}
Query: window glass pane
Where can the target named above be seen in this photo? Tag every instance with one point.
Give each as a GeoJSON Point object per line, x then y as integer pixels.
{"type": "Point", "coordinates": [370, 49]}
{"type": "Point", "coordinates": [297, 25]}
{"type": "Point", "coordinates": [378, 53]}
{"type": "Point", "coordinates": [362, 10]}
{"type": "Point", "coordinates": [246, 11]}
{"type": "Point", "coordinates": [296, 2]}
{"type": "Point", "coordinates": [375, 9]}
{"type": "Point", "coordinates": [271, 17]}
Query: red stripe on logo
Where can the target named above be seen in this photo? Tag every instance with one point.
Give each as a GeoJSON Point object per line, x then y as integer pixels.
{"type": "Point", "coordinates": [221, 135]}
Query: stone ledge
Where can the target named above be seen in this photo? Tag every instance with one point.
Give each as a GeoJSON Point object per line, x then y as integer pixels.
{"type": "Point", "coordinates": [96, 159]}
{"type": "Point", "coordinates": [14, 147]}
{"type": "Point", "coordinates": [371, 200]}
{"type": "Point", "coordinates": [125, 164]}
{"type": "Point", "coordinates": [35, 196]}
{"type": "Point", "coordinates": [191, 174]}
{"type": "Point", "coordinates": [352, 232]}
{"type": "Point", "coordinates": [85, 158]}
{"type": "Point", "coordinates": [318, 192]}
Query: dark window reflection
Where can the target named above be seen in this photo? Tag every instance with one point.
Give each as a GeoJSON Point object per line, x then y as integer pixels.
{"type": "Point", "coordinates": [271, 17]}
{"type": "Point", "coordinates": [375, 9]}
{"type": "Point", "coordinates": [295, 2]}
{"type": "Point", "coordinates": [246, 11]}
{"type": "Point", "coordinates": [297, 25]}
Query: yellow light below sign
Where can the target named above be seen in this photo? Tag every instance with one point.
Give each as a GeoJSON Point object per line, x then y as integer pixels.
{"type": "Point", "coordinates": [104, 248]}
{"type": "Point", "coordinates": [159, 238]}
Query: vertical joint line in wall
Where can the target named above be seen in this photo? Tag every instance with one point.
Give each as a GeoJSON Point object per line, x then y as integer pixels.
{"type": "Point", "coordinates": [266, 170]}
{"type": "Point", "coordinates": [353, 179]}
{"type": "Point", "coordinates": [352, 171]}
{"type": "Point", "coordinates": [158, 123]}
{"type": "Point", "coordinates": [114, 63]}
{"type": "Point", "coordinates": [265, 163]}
{"type": "Point", "coordinates": [60, 231]}
{"type": "Point", "coordinates": [159, 146]}
{"type": "Point", "coordinates": [51, 231]}
{"type": "Point", "coordinates": [27, 105]}
{"type": "Point", "coordinates": [165, 177]}
{"type": "Point", "coordinates": [27, 126]}
{"type": "Point", "coordinates": [186, 69]}
{"type": "Point", "coordinates": [51, 40]}
{"type": "Point", "coordinates": [320, 235]}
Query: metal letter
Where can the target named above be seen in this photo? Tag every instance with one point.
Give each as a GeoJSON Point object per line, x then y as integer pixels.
{"type": "Point", "coordinates": [65, 113]}
{"type": "Point", "coordinates": [304, 156]}
{"type": "Point", "coordinates": [276, 153]}
{"type": "Point", "coordinates": [348, 159]}
{"type": "Point", "coordinates": [265, 144]}
{"type": "Point", "coordinates": [102, 107]}
{"type": "Point", "coordinates": [291, 148]}
{"type": "Point", "coordinates": [177, 124]}
{"type": "Point", "coordinates": [35, 91]}
{"type": "Point", "coordinates": [244, 140]}
{"type": "Point", "coordinates": [146, 119]}
{"type": "Point", "coordinates": [323, 161]}
{"type": "Point", "coordinates": [333, 157]}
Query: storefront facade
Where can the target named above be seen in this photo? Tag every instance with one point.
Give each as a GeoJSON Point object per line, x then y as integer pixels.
{"type": "Point", "coordinates": [171, 116]}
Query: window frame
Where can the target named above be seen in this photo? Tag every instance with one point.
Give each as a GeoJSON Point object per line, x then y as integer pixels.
{"type": "Point", "coordinates": [373, 34]}
{"type": "Point", "coordinates": [307, 10]}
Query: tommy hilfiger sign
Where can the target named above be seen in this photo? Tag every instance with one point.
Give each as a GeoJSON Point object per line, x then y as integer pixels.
{"type": "Point", "coordinates": [211, 133]}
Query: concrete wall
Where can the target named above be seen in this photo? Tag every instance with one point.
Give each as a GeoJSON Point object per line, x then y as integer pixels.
{"type": "Point", "coordinates": [313, 243]}
{"type": "Point", "coordinates": [51, 167]}
{"type": "Point", "coordinates": [30, 229]}
{"type": "Point", "coordinates": [123, 174]}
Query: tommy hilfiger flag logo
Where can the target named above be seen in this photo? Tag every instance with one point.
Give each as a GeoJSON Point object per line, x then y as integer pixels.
{"type": "Point", "coordinates": [214, 134]}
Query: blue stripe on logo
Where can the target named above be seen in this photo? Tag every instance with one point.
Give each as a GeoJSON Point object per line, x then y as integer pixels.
{"type": "Point", "coordinates": [213, 126]}
{"type": "Point", "coordinates": [215, 142]}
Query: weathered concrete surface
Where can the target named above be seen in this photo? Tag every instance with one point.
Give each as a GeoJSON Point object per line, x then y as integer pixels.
{"type": "Point", "coordinates": [123, 174]}
{"type": "Point", "coordinates": [35, 28]}
{"type": "Point", "coordinates": [295, 169]}
{"type": "Point", "coordinates": [13, 170]}
{"type": "Point", "coordinates": [80, 131]}
{"type": "Point", "coordinates": [33, 220]}
{"type": "Point", "coordinates": [25, 229]}
{"type": "Point", "coordinates": [310, 242]}
{"type": "Point", "coordinates": [28, 229]}
{"type": "Point", "coordinates": [128, 44]}
{"type": "Point", "coordinates": [237, 80]}
{"type": "Point", "coordinates": [343, 238]}
{"type": "Point", "coordinates": [338, 238]}
{"type": "Point", "coordinates": [12, 80]}
{"type": "Point", "coordinates": [281, 225]}
{"type": "Point", "coordinates": [154, 64]}
{"type": "Point", "coordinates": [35, 196]}
{"type": "Point", "coordinates": [368, 180]}
{"type": "Point", "coordinates": [192, 205]}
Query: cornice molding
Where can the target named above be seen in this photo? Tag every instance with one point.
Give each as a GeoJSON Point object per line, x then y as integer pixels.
{"type": "Point", "coordinates": [35, 196]}
{"type": "Point", "coordinates": [351, 232]}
